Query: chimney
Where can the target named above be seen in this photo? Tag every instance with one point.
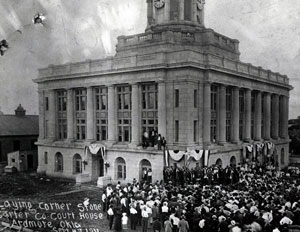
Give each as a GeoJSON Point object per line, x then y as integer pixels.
{"type": "Point", "coordinates": [20, 111]}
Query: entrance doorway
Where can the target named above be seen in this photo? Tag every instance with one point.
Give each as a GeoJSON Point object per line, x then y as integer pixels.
{"type": "Point", "coordinates": [232, 161]}
{"type": "Point", "coordinates": [219, 163]}
{"type": "Point", "coordinates": [30, 162]}
{"type": "Point", "coordinates": [145, 165]}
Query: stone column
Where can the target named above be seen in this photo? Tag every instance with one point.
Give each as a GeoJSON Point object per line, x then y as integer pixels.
{"type": "Point", "coordinates": [167, 10]}
{"type": "Point", "coordinates": [221, 127]}
{"type": "Point", "coordinates": [150, 11]}
{"type": "Point", "coordinates": [284, 116]}
{"type": "Point", "coordinates": [162, 109]}
{"type": "Point", "coordinates": [41, 115]}
{"type": "Point", "coordinates": [257, 120]}
{"type": "Point", "coordinates": [52, 115]}
{"type": "Point", "coordinates": [194, 10]}
{"type": "Point", "coordinates": [267, 114]}
{"type": "Point", "coordinates": [181, 10]}
{"type": "Point", "coordinates": [90, 115]}
{"type": "Point", "coordinates": [70, 114]}
{"type": "Point", "coordinates": [247, 137]}
{"type": "Point", "coordinates": [135, 115]}
{"type": "Point", "coordinates": [275, 116]}
{"type": "Point", "coordinates": [235, 114]}
{"type": "Point", "coordinates": [207, 114]}
{"type": "Point", "coordinates": [111, 115]}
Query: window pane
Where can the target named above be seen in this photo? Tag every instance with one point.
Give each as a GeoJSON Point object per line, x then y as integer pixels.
{"type": "Point", "coordinates": [151, 100]}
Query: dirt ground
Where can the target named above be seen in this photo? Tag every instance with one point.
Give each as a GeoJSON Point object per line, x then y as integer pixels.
{"type": "Point", "coordinates": [29, 196]}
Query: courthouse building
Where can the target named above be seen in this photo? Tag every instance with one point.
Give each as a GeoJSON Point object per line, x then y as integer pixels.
{"type": "Point", "coordinates": [180, 78]}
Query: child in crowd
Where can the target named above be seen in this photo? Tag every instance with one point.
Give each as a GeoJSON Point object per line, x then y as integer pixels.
{"type": "Point", "coordinates": [124, 221]}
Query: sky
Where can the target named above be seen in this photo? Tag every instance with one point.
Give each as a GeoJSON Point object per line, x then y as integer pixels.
{"type": "Point", "coordinates": [76, 30]}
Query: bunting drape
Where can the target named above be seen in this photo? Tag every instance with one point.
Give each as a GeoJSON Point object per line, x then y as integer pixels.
{"type": "Point", "coordinates": [187, 155]}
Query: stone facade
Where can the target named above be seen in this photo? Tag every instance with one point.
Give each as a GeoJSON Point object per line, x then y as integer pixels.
{"type": "Point", "coordinates": [180, 78]}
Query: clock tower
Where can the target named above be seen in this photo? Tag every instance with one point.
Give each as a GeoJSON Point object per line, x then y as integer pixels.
{"type": "Point", "coordinates": [175, 11]}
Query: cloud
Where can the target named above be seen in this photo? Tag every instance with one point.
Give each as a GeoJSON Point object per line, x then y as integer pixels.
{"type": "Point", "coordinates": [76, 30]}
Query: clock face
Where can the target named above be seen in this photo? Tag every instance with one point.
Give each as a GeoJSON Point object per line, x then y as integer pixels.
{"type": "Point", "coordinates": [200, 4]}
{"type": "Point", "coordinates": [159, 3]}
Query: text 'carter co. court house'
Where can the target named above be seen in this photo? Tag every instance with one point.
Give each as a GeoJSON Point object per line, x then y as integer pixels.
{"type": "Point", "coordinates": [179, 78]}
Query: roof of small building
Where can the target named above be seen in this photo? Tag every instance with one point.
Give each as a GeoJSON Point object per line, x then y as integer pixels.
{"type": "Point", "coordinates": [12, 125]}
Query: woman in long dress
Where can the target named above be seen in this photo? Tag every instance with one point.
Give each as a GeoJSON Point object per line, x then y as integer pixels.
{"type": "Point", "coordinates": [168, 225]}
{"type": "Point", "coordinates": [118, 220]}
{"type": "Point", "coordinates": [183, 225]}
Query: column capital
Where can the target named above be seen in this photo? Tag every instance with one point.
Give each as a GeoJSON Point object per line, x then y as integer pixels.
{"type": "Point", "coordinates": [161, 82]}
{"type": "Point", "coordinates": [134, 84]}
{"type": "Point", "coordinates": [223, 86]}
{"type": "Point", "coordinates": [235, 87]}
{"type": "Point", "coordinates": [50, 90]}
{"type": "Point", "coordinates": [208, 83]}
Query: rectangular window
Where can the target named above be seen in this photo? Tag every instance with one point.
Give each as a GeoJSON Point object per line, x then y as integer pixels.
{"type": "Point", "coordinates": [80, 106]}
{"type": "Point", "coordinates": [195, 98]}
{"type": "Point", "coordinates": [101, 96]}
{"type": "Point", "coordinates": [46, 157]}
{"type": "Point", "coordinates": [195, 131]}
{"type": "Point", "coordinates": [80, 99]}
{"type": "Point", "coordinates": [46, 103]}
{"type": "Point", "coordinates": [176, 131]}
{"type": "Point", "coordinates": [176, 97]}
{"type": "Point", "coordinates": [124, 97]}
{"type": "Point", "coordinates": [101, 129]}
{"type": "Point", "coordinates": [62, 128]}
{"type": "Point", "coordinates": [149, 117]}
{"type": "Point", "coordinates": [213, 107]}
{"type": "Point", "coordinates": [124, 113]}
{"type": "Point", "coordinates": [81, 129]}
{"type": "Point", "coordinates": [46, 128]}
{"type": "Point", "coordinates": [62, 113]}
{"type": "Point", "coordinates": [228, 113]}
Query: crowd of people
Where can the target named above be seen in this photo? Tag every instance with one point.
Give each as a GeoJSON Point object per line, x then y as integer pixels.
{"type": "Point", "coordinates": [233, 199]}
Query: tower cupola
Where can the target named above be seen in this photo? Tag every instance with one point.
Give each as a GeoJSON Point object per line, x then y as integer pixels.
{"type": "Point", "coordinates": [175, 11]}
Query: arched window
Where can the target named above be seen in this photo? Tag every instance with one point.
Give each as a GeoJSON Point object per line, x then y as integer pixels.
{"type": "Point", "coordinates": [282, 156]}
{"type": "Point", "coordinates": [59, 162]}
{"type": "Point", "coordinates": [219, 163]}
{"type": "Point", "coordinates": [77, 164]}
{"type": "Point", "coordinates": [232, 161]}
{"type": "Point", "coordinates": [120, 168]}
